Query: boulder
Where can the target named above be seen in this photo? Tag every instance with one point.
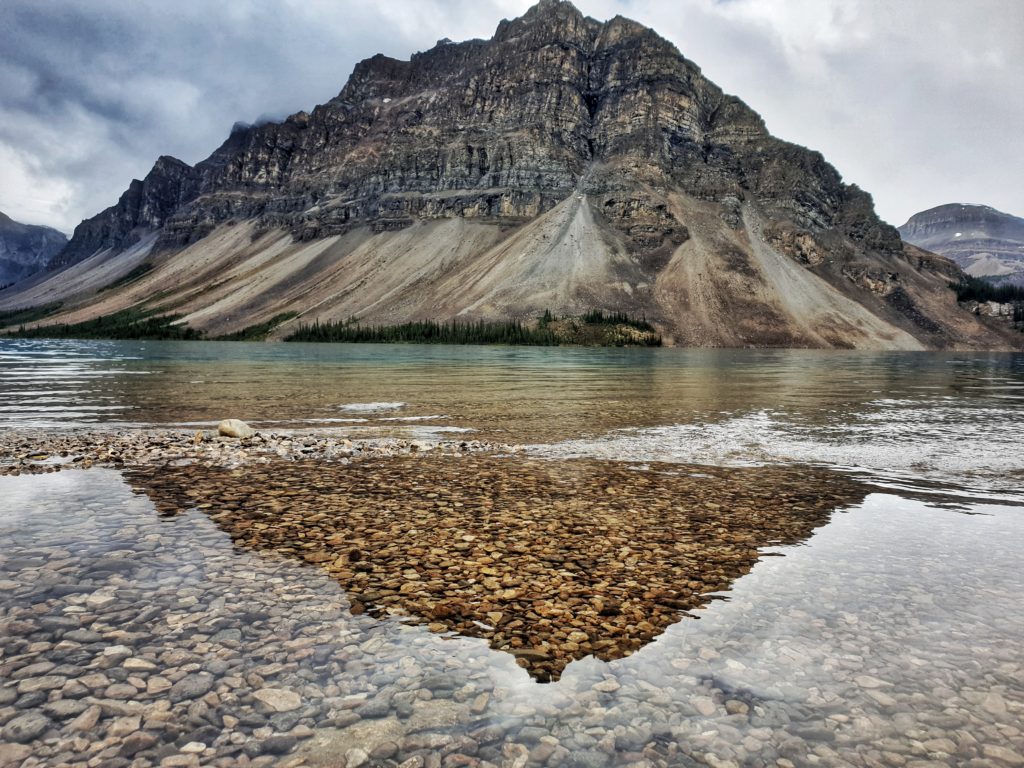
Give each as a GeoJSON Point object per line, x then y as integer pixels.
{"type": "Point", "coordinates": [235, 428]}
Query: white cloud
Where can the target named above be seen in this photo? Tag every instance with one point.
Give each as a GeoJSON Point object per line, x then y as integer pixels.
{"type": "Point", "coordinates": [28, 196]}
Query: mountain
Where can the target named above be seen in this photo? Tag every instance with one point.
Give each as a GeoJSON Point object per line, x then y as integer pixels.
{"type": "Point", "coordinates": [983, 241]}
{"type": "Point", "coordinates": [26, 249]}
{"type": "Point", "coordinates": [566, 164]}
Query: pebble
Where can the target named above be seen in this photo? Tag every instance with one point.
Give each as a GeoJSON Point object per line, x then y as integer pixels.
{"type": "Point", "coordinates": [13, 754]}
{"type": "Point", "coordinates": [278, 745]}
{"type": "Point", "coordinates": [356, 757]}
{"type": "Point", "coordinates": [62, 709]}
{"type": "Point", "coordinates": [25, 728]}
{"type": "Point", "coordinates": [278, 700]}
{"type": "Point", "coordinates": [705, 706]}
{"type": "Point", "coordinates": [138, 665]}
{"type": "Point", "coordinates": [137, 742]}
{"type": "Point", "coordinates": [191, 687]}
{"type": "Point", "coordinates": [87, 720]}
{"type": "Point", "coordinates": [123, 726]}
{"type": "Point", "coordinates": [1002, 754]}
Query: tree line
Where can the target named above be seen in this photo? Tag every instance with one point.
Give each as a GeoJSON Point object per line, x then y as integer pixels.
{"type": "Point", "coordinates": [427, 332]}
{"type": "Point", "coordinates": [979, 289]}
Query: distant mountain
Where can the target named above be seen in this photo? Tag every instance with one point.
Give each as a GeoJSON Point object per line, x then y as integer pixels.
{"type": "Point", "coordinates": [565, 164]}
{"type": "Point", "coordinates": [983, 241]}
{"type": "Point", "coordinates": [26, 249]}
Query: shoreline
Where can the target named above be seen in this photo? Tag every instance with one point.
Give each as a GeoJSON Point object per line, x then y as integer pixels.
{"type": "Point", "coordinates": [41, 450]}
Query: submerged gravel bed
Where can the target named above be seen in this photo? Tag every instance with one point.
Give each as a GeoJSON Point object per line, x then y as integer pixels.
{"type": "Point", "coordinates": [275, 602]}
{"type": "Point", "coordinates": [549, 560]}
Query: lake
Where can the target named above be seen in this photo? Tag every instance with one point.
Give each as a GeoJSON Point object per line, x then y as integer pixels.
{"type": "Point", "coordinates": [884, 629]}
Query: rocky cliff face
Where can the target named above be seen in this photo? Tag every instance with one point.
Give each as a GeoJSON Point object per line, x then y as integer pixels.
{"type": "Point", "coordinates": [565, 164]}
{"type": "Point", "coordinates": [554, 103]}
{"type": "Point", "coordinates": [983, 241]}
{"type": "Point", "coordinates": [143, 207]}
{"type": "Point", "coordinates": [25, 249]}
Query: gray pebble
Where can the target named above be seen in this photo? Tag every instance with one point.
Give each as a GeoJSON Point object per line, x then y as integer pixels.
{"type": "Point", "coordinates": [25, 728]}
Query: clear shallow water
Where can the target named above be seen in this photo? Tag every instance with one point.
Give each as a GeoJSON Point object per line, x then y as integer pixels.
{"type": "Point", "coordinates": [847, 650]}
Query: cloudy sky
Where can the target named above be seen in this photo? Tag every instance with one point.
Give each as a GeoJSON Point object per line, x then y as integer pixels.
{"type": "Point", "coordinates": [921, 102]}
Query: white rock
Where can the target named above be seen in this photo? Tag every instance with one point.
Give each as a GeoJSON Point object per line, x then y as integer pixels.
{"type": "Point", "coordinates": [235, 428]}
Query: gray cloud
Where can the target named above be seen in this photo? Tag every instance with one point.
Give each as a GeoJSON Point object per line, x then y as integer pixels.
{"type": "Point", "coordinates": [919, 102]}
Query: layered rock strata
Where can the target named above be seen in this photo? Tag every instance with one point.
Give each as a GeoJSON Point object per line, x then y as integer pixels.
{"type": "Point", "coordinates": [565, 164]}
{"type": "Point", "coordinates": [981, 240]}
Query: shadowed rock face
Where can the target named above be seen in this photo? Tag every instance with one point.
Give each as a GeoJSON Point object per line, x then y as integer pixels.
{"type": "Point", "coordinates": [25, 249]}
{"type": "Point", "coordinates": [143, 207]}
{"type": "Point", "coordinates": [565, 164]}
{"type": "Point", "coordinates": [550, 561]}
{"type": "Point", "coordinates": [983, 241]}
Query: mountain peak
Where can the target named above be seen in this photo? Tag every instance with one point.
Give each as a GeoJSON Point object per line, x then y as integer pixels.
{"type": "Point", "coordinates": [568, 165]}
{"type": "Point", "coordinates": [552, 8]}
{"type": "Point", "coordinates": [165, 162]}
{"type": "Point", "coordinates": [958, 212]}
{"type": "Point", "coordinates": [984, 241]}
{"type": "Point", "coordinates": [25, 249]}
{"type": "Point", "coordinates": [555, 19]}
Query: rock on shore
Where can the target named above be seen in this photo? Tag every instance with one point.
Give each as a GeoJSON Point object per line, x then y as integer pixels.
{"type": "Point", "coordinates": [235, 428]}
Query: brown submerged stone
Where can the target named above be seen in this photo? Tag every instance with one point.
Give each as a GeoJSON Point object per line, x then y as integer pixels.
{"type": "Point", "coordinates": [550, 561]}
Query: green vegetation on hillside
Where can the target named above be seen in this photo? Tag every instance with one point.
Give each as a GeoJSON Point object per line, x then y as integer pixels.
{"type": "Point", "coordinates": [28, 314]}
{"type": "Point", "coordinates": [595, 328]}
{"type": "Point", "coordinates": [127, 324]}
{"type": "Point", "coordinates": [598, 317]}
{"type": "Point", "coordinates": [258, 331]}
{"type": "Point", "coordinates": [980, 289]}
{"type": "Point", "coordinates": [592, 329]}
{"type": "Point", "coordinates": [427, 332]}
